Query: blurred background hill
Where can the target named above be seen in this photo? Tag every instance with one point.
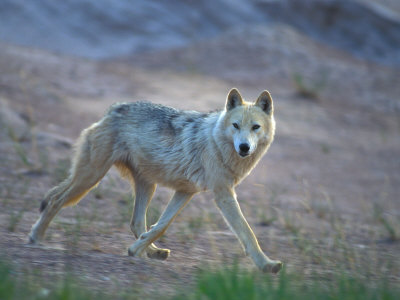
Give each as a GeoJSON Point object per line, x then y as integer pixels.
{"type": "Point", "coordinates": [104, 29]}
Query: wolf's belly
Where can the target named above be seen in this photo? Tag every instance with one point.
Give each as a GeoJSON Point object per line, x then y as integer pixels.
{"type": "Point", "coordinates": [174, 176]}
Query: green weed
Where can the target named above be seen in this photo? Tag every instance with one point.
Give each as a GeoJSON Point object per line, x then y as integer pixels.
{"type": "Point", "coordinates": [308, 89]}
{"type": "Point", "coordinates": [61, 170]}
{"type": "Point", "coordinates": [125, 208]}
{"type": "Point", "coordinates": [229, 283]}
{"type": "Point", "coordinates": [73, 231]}
{"type": "Point", "coordinates": [234, 283]}
{"type": "Point", "coordinates": [325, 148]}
{"type": "Point", "coordinates": [15, 218]}
{"type": "Point", "coordinates": [153, 214]}
{"type": "Point", "coordinates": [264, 220]}
{"type": "Point", "coordinates": [19, 149]}
{"type": "Point", "coordinates": [195, 224]}
{"type": "Point", "coordinates": [387, 223]}
{"type": "Point", "coordinates": [15, 288]}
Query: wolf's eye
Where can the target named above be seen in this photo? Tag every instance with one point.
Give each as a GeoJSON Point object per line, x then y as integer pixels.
{"type": "Point", "coordinates": [255, 127]}
{"type": "Point", "coordinates": [235, 125]}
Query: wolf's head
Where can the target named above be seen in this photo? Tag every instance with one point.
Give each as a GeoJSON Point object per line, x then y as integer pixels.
{"type": "Point", "coordinates": [249, 125]}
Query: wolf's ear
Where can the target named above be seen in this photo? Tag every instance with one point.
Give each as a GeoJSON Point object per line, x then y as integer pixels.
{"type": "Point", "coordinates": [234, 99]}
{"type": "Point", "coordinates": [264, 101]}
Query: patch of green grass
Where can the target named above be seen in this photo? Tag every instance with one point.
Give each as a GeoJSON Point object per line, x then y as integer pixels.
{"type": "Point", "coordinates": [73, 231]}
{"type": "Point", "coordinates": [188, 230]}
{"type": "Point", "coordinates": [44, 158]}
{"type": "Point", "coordinates": [153, 214]}
{"type": "Point", "coordinates": [265, 220]}
{"type": "Point", "coordinates": [19, 149]}
{"type": "Point", "coordinates": [325, 148]}
{"type": "Point", "coordinates": [61, 170]}
{"type": "Point", "coordinates": [7, 283]}
{"type": "Point", "coordinates": [310, 89]}
{"type": "Point", "coordinates": [233, 283]}
{"type": "Point", "coordinates": [68, 290]}
{"type": "Point", "coordinates": [229, 283]}
{"type": "Point", "coordinates": [290, 223]}
{"type": "Point", "coordinates": [389, 225]}
{"type": "Point", "coordinates": [14, 220]}
{"type": "Point", "coordinates": [124, 206]}
{"type": "Point", "coordinates": [195, 224]}
{"type": "Point", "coordinates": [15, 288]}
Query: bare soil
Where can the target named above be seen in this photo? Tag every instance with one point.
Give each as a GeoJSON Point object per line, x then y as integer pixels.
{"type": "Point", "coordinates": [324, 198]}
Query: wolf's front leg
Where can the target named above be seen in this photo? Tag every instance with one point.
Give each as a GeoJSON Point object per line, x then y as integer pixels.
{"type": "Point", "coordinates": [226, 201]}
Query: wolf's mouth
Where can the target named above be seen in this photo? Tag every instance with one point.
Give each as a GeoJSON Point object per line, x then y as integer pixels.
{"type": "Point", "coordinates": [243, 154]}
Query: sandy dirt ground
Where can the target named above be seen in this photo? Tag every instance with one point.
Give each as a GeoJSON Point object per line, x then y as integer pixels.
{"type": "Point", "coordinates": [324, 198]}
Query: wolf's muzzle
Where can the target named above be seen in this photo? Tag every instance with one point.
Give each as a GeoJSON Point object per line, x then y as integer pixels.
{"type": "Point", "coordinates": [244, 149]}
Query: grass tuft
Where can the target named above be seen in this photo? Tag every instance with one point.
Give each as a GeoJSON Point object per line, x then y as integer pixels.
{"type": "Point", "coordinates": [229, 283]}
{"type": "Point", "coordinates": [234, 283]}
{"type": "Point", "coordinates": [309, 89]}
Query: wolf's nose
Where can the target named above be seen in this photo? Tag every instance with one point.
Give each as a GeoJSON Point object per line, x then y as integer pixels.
{"type": "Point", "coordinates": [244, 148]}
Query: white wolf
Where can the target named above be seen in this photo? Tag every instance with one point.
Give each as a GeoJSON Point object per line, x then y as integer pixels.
{"type": "Point", "coordinates": [187, 151]}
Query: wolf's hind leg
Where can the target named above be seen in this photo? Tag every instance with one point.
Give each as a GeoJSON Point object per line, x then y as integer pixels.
{"type": "Point", "coordinates": [91, 163]}
{"type": "Point", "coordinates": [143, 194]}
{"type": "Point", "coordinates": [176, 204]}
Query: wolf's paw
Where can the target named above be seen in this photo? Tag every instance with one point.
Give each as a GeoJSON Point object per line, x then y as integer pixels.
{"type": "Point", "coordinates": [137, 249]}
{"type": "Point", "coordinates": [133, 253]}
{"type": "Point", "coordinates": [158, 253]}
{"type": "Point", "coordinates": [31, 240]}
{"type": "Point", "coordinates": [273, 266]}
